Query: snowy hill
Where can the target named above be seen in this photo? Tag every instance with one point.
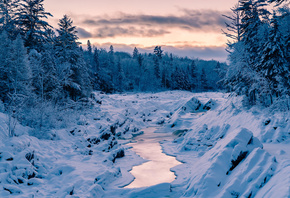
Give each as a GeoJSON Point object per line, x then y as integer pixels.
{"type": "Point", "coordinates": [226, 150]}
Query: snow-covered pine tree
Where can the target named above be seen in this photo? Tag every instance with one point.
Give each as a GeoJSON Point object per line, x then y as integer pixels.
{"type": "Point", "coordinates": [19, 69]}
{"type": "Point", "coordinates": [273, 62]}
{"type": "Point", "coordinates": [158, 52]}
{"type": "Point", "coordinates": [284, 27]}
{"type": "Point", "coordinates": [140, 60]}
{"type": "Point", "coordinates": [234, 77]}
{"type": "Point", "coordinates": [19, 81]}
{"type": "Point", "coordinates": [244, 51]}
{"type": "Point", "coordinates": [135, 53]}
{"type": "Point", "coordinates": [7, 16]}
{"type": "Point", "coordinates": [203, 80]}
{"type": "Point", "coordinates": [111, 51]}
{"type": "Point", "coordinates": [5, 87]}
{"type": "Point", "coordinates": [180, 80]}
{"type": "Point", "coordinates": [157, 72]}
{"type": "Point", "coordinates": [193, 75]}
{"type": "Point", "coordinates": [90, 50]}
{"type": "Point", "coordinates": [37, 78]}
{"type": "Point", "coordinates": [96, 67]}
{"type": "Point", "coordinates": [251, 11]}
{"type": "Point", "coordinates": [66, 41]}
{"type": "Point", "coordinates": [95, 70]}
{"type": "Point", "coordinates": [120, 76]}
{"type": "Point", "coordinates": [72, 70]}
{"type": "Point", "coordinates": [156, 58]}
{"type": "Point", "coordinates": [234, 25]}
{"type": "Point", "coordinates": [30, 20]}
{"type": "Point", "coordinates": [51, 85]}
{"type": "Point", "coordinates": [174, 78]}
{"type": "Point", "coordinates": [89, 60]}
{"type": "Point", "coordinates": [111, 65]}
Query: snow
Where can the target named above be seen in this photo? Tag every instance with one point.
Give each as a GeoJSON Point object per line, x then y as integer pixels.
{"type": "Point", "coordinates": [223, 149]}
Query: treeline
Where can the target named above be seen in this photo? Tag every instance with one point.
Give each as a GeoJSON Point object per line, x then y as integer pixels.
{"type": "Point", "coordinates": [259, 52]}
{"type": "Point", "coordinates": [45, 73]}
{"type": "Point", "coordinates": [120, 71]}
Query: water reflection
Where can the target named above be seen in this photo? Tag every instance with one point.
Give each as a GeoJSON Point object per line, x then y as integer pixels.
{"type": "Point", "coordinates": [157, 169]}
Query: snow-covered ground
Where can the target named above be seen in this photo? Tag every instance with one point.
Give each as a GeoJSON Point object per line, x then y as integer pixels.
{"type": "Point", "coordinates": [225, 149]}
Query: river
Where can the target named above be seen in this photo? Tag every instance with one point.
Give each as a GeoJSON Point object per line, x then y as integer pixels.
{"type": "Point", "coordinates": [157, 169]}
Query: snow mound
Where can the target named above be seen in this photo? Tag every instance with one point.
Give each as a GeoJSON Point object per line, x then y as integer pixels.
{"type": "Point", "coordinates": [211, 104]}
{"type": "Point", "coordinates": [202, 139]}
{"type": "Point", "coordinates": [236, 167]}
{"type": "Point", "coordinates": [191, 106]}
{"type": "Point", "coordinates": [274, 188]}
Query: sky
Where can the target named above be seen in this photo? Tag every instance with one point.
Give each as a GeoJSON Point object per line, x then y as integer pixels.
{"type": "Point", "coordinates": [183, 27]}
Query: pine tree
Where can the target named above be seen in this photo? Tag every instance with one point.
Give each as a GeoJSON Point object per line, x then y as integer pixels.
{"type": "Point", "coordinates": [50, 85]}
{"type": "Point", "coordinates": [193, 75]}
{"type": "Point", "coordinates": [96, 70]}
{"type": "Point", "coordinates": [19, 82]}
{"type": "Point", "coordinates": [273, 62]}
{"type": "Point", "coordinates": [34, 59]}
{"type": "Point", "coordinates": [234, 27]}
{"type": "Point", "coordinates": [156, 58]}
{"type": "Point", "coordinates": [111, 64]}
{"type": "Point", "coordinates": [203, 80]}
{"type": "Point", "coordinates": [111, 52]}
{"type": "Point", "coordinates": [140, 60]}
{"type": "Point", "coordinates": [120, 76]}
{"type": "Point", "coordinates": [66, 41]}
{"type": "Point", "coordinates": [164, 78]}
{"type": "Point", "coordinates": [135, 53]}
{"type": "Point", "coordinates": [174, 79]}
{"type": "Point", "coordinates": [156, 67]}
{"type": "Point", "coordinates": [72, 68]}
{"type": "Point", "coordinates": [284, 25]}
{"type": "Point", "coordinates": [244, 53]}
{"type": "Point", "coordinates": [5, 45]}
{"type": "Point", "coordinates": [19, 69]}
{"type": "Point", "coordinates": [89, 59]}
{"type": "Point", "coordinates": [7, 16]}
{"type": "Point", "coordinates": [90, 50]}
{"type": "Point", "coordinates": [158, 52]}
{"type": "Point", "coordinates": [250, 24]}
{"type": "Point", "coordinates": [180, 80]}
{"type": "Point", "coordinates": [30, 19]}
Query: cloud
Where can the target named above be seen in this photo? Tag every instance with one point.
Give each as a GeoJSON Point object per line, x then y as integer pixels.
{"type": "Point", "coordinates": [190, 20]}
{"type": "Point", "coordinates": [82, 33]}
{"type": "Point", "coordinates": [206, 53]}
{"type": "Point", "coordinates": [107, 31]}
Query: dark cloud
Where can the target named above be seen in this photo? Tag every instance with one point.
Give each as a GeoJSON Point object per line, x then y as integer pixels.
{"type": "Point", "coordinates": [206, 53]}
{"type": "Point", "coordinates": [192, 20]}
{"type": "Point", "coordinates": [82, 33]}
{"type": "Point", "coordinates": [107, 31]}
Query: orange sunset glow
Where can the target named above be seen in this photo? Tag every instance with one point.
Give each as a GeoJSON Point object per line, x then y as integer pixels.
{"type": "Point", "coordinates": [186, 26]}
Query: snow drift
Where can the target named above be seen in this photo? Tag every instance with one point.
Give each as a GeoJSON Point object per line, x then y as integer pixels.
{"type": "Point", "coordinates": [236, 166]}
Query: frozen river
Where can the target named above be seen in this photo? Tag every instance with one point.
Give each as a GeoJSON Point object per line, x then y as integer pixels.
{"type": "Point", "coordinates": [157, 169]}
